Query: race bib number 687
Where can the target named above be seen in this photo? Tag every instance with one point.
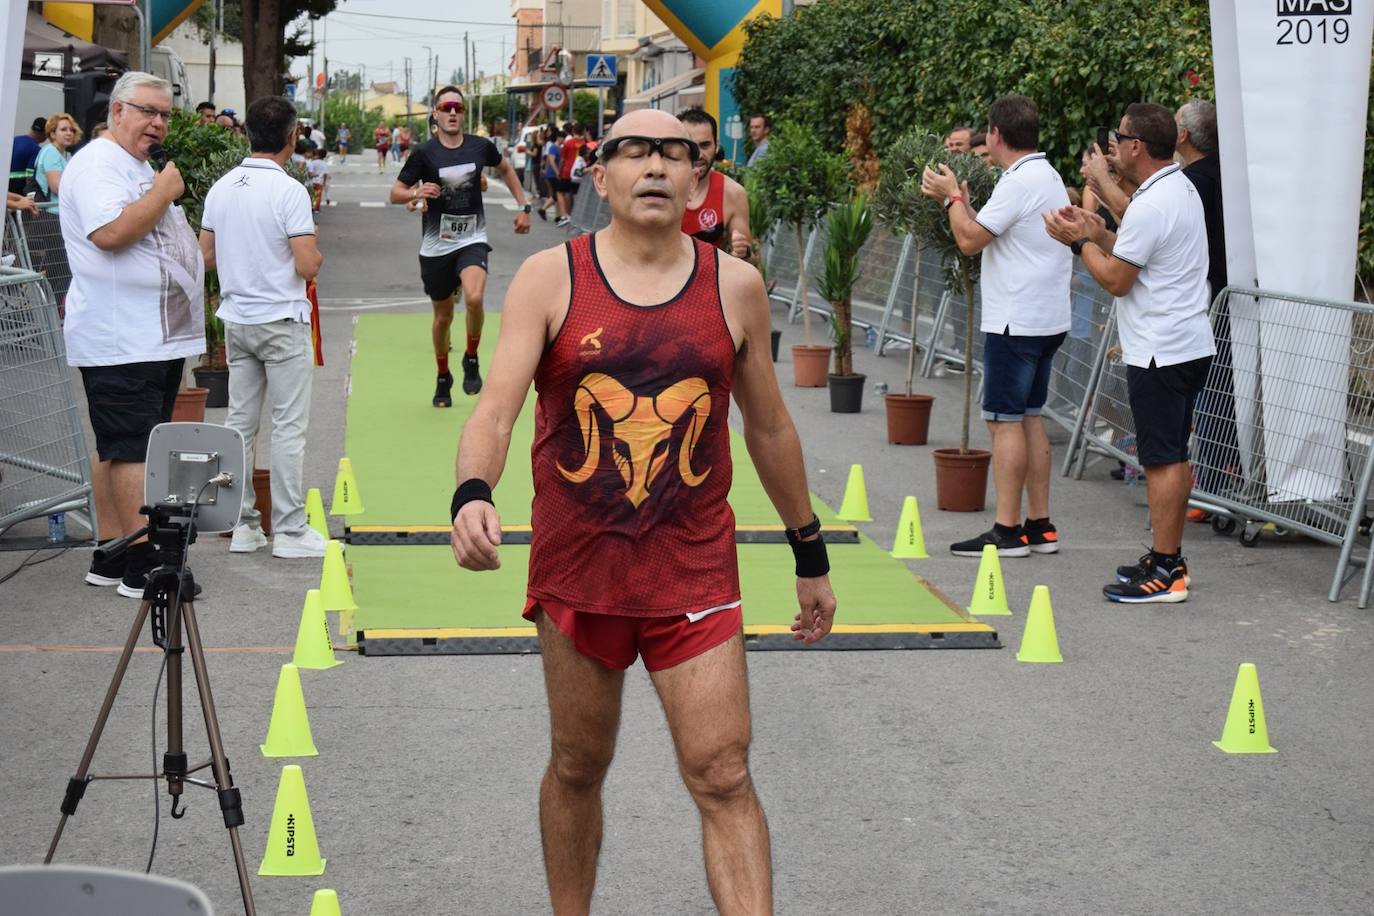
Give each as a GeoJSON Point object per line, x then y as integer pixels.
{"type": "Point", "coordinates": [454, 227]}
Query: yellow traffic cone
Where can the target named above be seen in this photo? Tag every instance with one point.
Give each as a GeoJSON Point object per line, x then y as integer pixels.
{"type": "Point", "coordinates": [1039, 641]}
{"type": "Point", "coordinates": [1245, 731]}
{"type": "Point", "coordinates": [989, 594]}
{"type": "Point", "coordinates": [910, 543]}
{"type": "Point", "coordinates": [854, 508]}
{"type": "Point", "coordinates": [288, 733]}
{"type": "Point", "coordinates": [314, 512]}
{"type": "Point", "coordinates": [335, 592]}
{"type": "Point", "coordinates": [291, 845]}
{"type": "Point", "coordinates": [314, 649]}
{"type": "Point", "coordinates": [325, 903]}
{"type": "Point", "coordinates": [346, 500]}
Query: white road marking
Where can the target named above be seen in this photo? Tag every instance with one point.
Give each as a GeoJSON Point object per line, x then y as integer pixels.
{"type": "Point", "coordinates": [372, 203]}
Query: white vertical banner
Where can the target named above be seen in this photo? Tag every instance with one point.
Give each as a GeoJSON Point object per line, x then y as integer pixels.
{"type": "Point", "coordinates": [1239, 229]}
{"type": "Point", "coordinates": [11, 59]}
{"type": "Point", "coordinates": [1304, 74]}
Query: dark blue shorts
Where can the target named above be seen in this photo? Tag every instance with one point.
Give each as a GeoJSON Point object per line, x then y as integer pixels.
{"type": "Point", "coordinates": [1016, 375]}
{"type": "Point", "coordinates": [126, 402]}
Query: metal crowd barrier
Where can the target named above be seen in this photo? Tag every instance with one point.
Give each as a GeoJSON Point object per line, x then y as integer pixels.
{"type": "Point", "coordinates": [1285, 424]}
{"type": "Point", "coordinates": [590, 211]}
{"type": "Point", "coordinates": [42, 237]}
{"type": "Point", "coordinates": [44, 465]}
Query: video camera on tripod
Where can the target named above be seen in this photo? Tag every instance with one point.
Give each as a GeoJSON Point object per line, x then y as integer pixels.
{"type": "Point", "coordinates": [191, 483]}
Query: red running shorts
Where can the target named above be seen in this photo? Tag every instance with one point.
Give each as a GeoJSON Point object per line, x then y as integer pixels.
{"type": "Point", "coordinates": [615, 640]}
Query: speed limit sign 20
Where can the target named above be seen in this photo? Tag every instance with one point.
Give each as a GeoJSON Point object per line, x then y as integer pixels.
{"type": "Point", "coordinates": [555, 97]}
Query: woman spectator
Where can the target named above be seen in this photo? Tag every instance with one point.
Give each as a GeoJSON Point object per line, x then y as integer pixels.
{"type": "Point", "coordinates": [53, 156]}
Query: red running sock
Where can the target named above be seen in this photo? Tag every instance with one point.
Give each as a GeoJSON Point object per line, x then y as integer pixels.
{"type": "Point", "coordinates": [443, 363]}
{"type": "Point", "coordinates": [472, 344]}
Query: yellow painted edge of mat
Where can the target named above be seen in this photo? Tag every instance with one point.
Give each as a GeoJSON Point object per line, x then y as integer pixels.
{"type": "Point", "coordinates": [752, 630]}
{"type": "Point", "coordinates": [376, 529]}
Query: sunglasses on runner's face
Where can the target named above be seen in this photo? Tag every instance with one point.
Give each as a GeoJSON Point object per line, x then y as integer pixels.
{"type": "Point", "coordinates": [450, 107]}
{"type": "Point", "coordinates": [673, 149]}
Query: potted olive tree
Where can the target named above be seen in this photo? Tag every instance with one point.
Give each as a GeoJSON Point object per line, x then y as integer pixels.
{"type": "Point", "coordinates": [896, 201]}
{"type": "Point", "coordinates": [799, 179]}
{"type": "Point", "coordinates": [960, 474]}
{"type": "Point", "coordinates": [850, 226]}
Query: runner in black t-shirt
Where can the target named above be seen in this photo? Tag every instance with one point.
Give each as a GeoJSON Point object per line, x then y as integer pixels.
{"type": "Point", "coordinates": [442, 178]}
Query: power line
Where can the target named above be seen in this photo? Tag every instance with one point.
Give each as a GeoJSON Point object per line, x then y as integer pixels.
{"type": "Point", "coordinates": [508, 25]}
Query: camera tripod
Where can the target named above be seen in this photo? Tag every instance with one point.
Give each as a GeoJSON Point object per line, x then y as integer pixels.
{"type": "Point", "coordinates": [168, 599]}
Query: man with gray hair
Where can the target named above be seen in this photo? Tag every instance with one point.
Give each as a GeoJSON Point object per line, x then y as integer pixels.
{"type": "Point", "coordinates": [134, 310]}
{"type": "Point", "coordinates": [1217, 448]}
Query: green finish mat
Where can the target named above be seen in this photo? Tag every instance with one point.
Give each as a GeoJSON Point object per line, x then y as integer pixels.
{"type": "Point", "coordinates": [420, 594]}
{"type": "Point", "coordinates": [403, 449]}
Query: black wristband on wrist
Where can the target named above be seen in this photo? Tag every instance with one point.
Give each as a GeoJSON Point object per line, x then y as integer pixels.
{"type": "Point", "coordinates": [795, 535]}
{"type": "Point", "coordinates": [810, 558]}
{"type": "Point", "coordinates": [474, 488]}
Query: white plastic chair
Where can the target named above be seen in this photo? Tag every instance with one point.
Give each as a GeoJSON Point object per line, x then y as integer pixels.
{"type": "Point", "coordinates": [86, 890]}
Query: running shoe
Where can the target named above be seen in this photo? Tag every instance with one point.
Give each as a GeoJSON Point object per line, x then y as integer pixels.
{"type": "Point", "coordinates": [443, 391]}
{"type": "Point", "coordinates": [1144, 565]}
{"type": "Point", "coordinates": [472, 379]}
{"type": "Point", "coordinates": [1014, 545]}
{"type": "Point", "coordinates": [247, 539]}
{"type": "Point", "coordinates": [542, 215]}
{"type": "Point", "coordinates": [106, 573]}
{"type": "Point", "coordinates": [561, 221]}
{"type": "Point", "coordinates": [1156, 585]}
{"type": "Point", "coordinates": [304, 544]}
{"type": "Point", "coordinates": [1041, 537]}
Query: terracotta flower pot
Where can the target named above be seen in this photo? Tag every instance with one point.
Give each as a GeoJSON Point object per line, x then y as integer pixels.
{"type": "Point", "coordinates": [908, 418]}
{"type": "Point", "coordinates": [810, 366]}
{"type": "Point", "coordinates": [190, 405]}
{"type": "Point", "coordinates": [961, 479]}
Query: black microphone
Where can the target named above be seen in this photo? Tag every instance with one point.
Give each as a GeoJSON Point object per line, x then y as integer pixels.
{"type": "Point", "coordinates": [157, 155]}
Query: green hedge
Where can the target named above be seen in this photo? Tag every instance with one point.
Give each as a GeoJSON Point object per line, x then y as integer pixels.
{"type": "Point", "coordinates": [923, 62]}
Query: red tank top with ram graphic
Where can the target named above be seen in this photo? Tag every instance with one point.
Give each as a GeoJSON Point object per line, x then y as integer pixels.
{"type": "Point", "coordinates": [632, 450]}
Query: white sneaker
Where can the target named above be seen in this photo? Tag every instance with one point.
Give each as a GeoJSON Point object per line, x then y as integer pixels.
{"type": "Point", "coordinates": [300, 544]}
{"type": "Point", "coordinates": [247, 539]}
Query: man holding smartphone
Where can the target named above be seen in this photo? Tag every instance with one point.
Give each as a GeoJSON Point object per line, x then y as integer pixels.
{"type": "Point", "coordinates": [442, 178]}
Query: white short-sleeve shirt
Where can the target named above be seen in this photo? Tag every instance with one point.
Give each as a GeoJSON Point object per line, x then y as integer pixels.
{"type": "Point", "coordinates": [1025, 272]}
{"type": "Point", "coordinates": [254, 211]}
{"type": "Point", "coordinates": [143, 303]}
{"type": "Point", "coordinates": [1164, 316]}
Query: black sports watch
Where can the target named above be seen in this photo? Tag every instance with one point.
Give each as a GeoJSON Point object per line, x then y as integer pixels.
{"type": "Point", "coordinates": [526, 208]}
{"type": "Point", "coordinates": [1076, 246]}
{"type": "Point", "coordinates": [810, 529]}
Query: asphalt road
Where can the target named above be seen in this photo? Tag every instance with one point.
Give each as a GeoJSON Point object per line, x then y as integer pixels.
{"type": "Point", "coordinates": [895, 782]}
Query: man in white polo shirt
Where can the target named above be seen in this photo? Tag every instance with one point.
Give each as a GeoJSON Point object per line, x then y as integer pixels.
{"type": "Point", "coordinates": [135, 309]}
{"type": "Point", "coordinates": [1156, 267]}
{"type": "Point", "coordinates": [258, 232]}
{"type": "Point", "coordinates": [1025, 318]}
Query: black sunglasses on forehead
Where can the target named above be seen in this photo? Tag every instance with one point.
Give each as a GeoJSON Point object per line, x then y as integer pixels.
{"type": "Point", "coordinates": [667, 147]}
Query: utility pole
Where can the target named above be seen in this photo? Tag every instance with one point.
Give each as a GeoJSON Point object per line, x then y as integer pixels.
{"type": "Point", "coordinates": [324, 68]}
{"type": "Point", "coordinates": [429, 63]}
{"type": "Point", "coordinates": [467, 81]}
{"type": "Point", "coordinates": [407, 93]}
{"type": "Point", "coordinates": [310, 81]}
{"type": "Point", "coordinates": [215, 26]}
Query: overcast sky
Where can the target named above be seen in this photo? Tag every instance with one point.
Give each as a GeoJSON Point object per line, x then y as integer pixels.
{"type": "Point", "coordinates": [372, 33]}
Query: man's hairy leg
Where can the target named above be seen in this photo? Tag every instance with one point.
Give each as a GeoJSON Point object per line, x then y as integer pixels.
{"type": "Point", "coordinates": [126, 489]}
{"type": "Point", "coordinates": [584, 718]}
{"type": "Point", "coordinates": [706, 700]}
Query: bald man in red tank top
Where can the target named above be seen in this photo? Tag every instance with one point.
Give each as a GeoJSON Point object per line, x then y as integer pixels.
{"type": "Point", "coordinates": [635, 338]}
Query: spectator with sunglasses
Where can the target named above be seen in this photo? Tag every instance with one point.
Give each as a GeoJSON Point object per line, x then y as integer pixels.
{"type": "Point", "coordinates": [641, 333]}
{"type": "Point", "coordinates": [442, 178]}
{"type": "Point", "coordinates": [1156, 267]}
